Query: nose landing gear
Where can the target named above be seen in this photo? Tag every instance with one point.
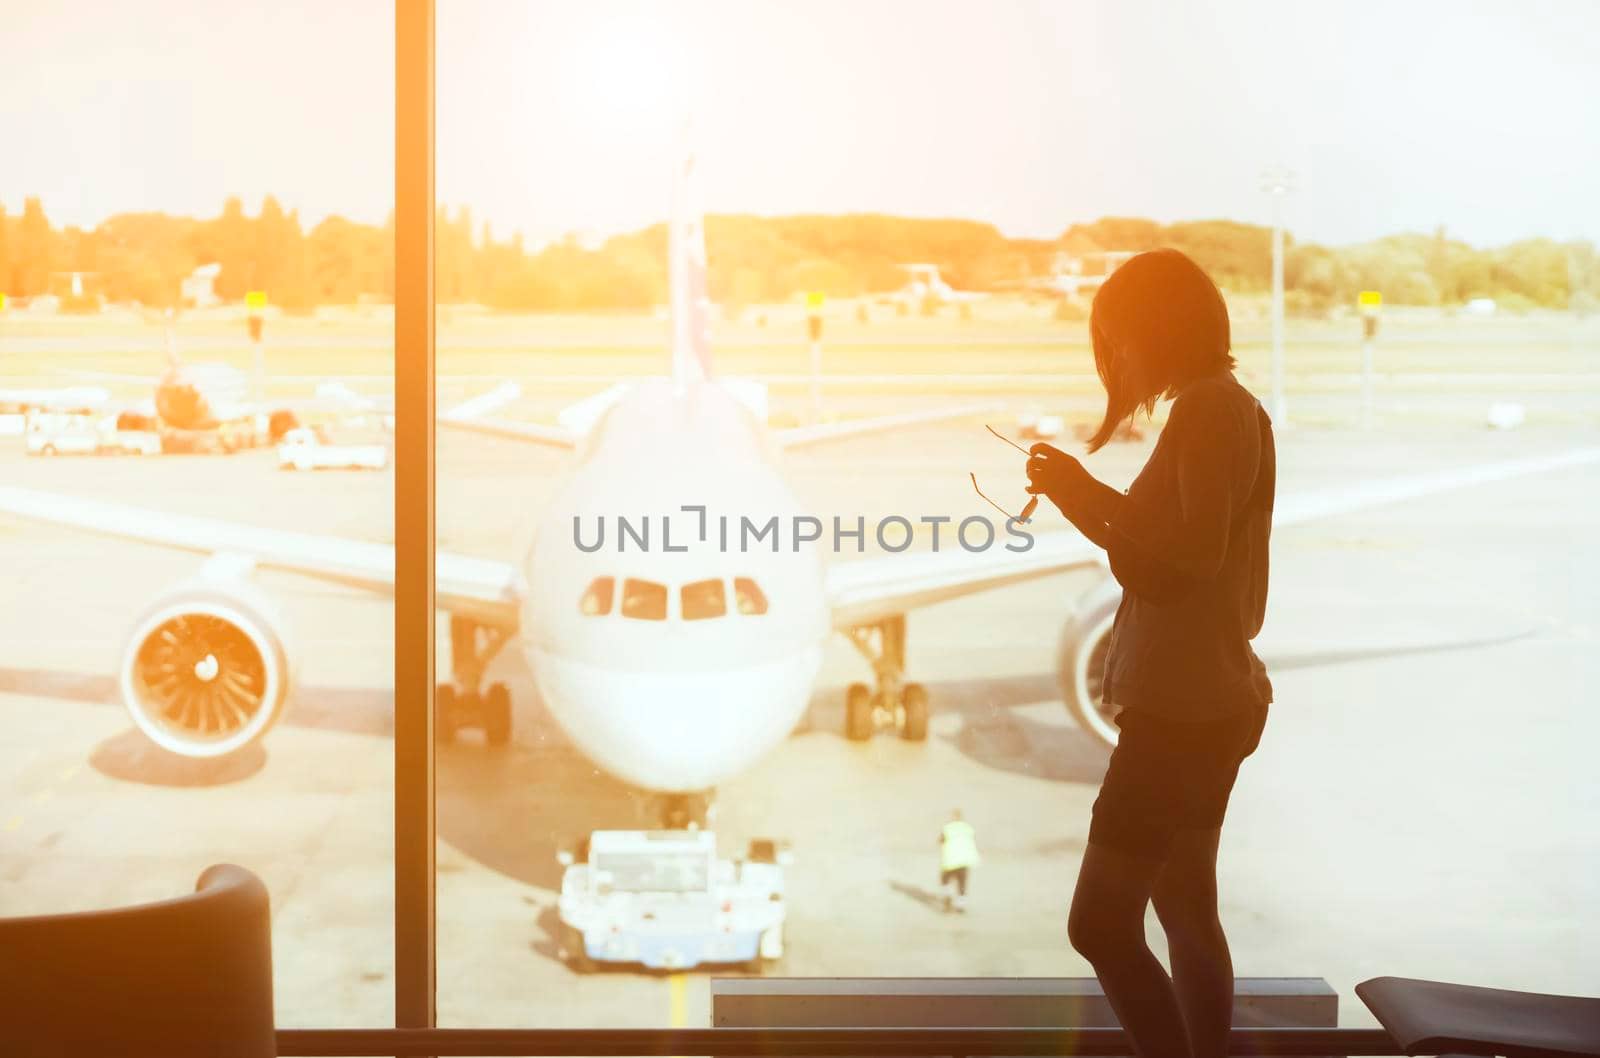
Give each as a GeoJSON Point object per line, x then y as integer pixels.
{"type": "Point", "coordinates": [464, 702]}
{"type": "Point", "coordinates": [893, 704]}
{"type": "Point", "coordinates": [685, 811]}
{"type": "Point", "coordinates": [490, 710]}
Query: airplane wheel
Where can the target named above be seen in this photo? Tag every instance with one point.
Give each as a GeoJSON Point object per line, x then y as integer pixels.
{"type": "Point", "coordinates": [1083, 672]}
{"type": "Point", "coordinates": [858, 712]}
{"type": "Point", "coordinates": [914, 700]}
{"type": "Point", "coordinates": [497, 715]}
{"type": "Point", "coordinates": [446, 710]}
{"type": "Point", "coordinates": [686, 811]}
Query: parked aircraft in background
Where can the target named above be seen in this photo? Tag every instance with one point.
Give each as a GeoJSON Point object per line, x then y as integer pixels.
{"type": "Point", "coordinates": [1073, 275]}
{"type": "Point", "coordinates": [214, 406]}
{"type": "Point", "coordinates": [925, 285]}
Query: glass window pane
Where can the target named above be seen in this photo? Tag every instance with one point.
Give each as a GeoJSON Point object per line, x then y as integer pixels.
{"type": "Point", "coordinates": [887, 231]}
{"type": "Point", "coordinates": [597, 598]}
{"type": "Point", "coordinates": [703, 599]}
{"type": "Point", "coordinates": [195, 358]}
{"type": "Point", "coordinates": [644, 600]}
{"type": "Point", "coordinates": [751, 600]}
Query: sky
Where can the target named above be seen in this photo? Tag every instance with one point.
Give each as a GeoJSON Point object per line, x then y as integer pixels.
{"type": "Point", "coordinates": [560, 117]}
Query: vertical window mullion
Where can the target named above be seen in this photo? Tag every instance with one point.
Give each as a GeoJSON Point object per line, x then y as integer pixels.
{"type": "Point", "coordinates": [414, 950]}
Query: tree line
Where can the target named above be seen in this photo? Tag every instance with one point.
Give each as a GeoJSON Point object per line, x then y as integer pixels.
{"type": "Point", "coordinates": [142, 257]}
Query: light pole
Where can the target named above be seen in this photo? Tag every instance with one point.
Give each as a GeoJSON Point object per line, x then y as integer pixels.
{"type": "Point", "coordinates": [1277, 182]}
{"type": "Point", "coordinates": [814, 301]}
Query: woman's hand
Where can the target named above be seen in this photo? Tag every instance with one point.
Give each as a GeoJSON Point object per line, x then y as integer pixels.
{"type": "Point", "coordinates": [1057, 476]}
{"type": "Point", "coordinates": [1087, 502]}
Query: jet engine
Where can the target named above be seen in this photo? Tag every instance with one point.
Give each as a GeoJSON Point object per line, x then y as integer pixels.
{"type": "Point", "coordinates": [206, 670]}
{"type": "Point", "coordinates": [1081, 660]}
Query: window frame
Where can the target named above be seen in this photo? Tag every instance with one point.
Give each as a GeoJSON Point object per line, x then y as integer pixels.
{"type": "Point", "coordinates": [415, 948]}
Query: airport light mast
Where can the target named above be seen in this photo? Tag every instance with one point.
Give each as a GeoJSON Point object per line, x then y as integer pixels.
{"type": "Point", "coordinates": [814, 302]}
{"type": "Point", "coordinates": [255, 302]}
{"type": "Point", "coordinates": [1277, 182]}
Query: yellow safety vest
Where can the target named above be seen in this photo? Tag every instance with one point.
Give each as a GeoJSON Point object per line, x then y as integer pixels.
{"type": "Point", "coordinates": [959, 847]}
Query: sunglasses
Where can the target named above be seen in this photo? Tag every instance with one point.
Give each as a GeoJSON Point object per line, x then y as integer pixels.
{"type": "Point", "coordinates": [1033, 501]}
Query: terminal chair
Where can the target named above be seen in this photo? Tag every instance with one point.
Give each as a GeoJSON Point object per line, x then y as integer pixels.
{"type": "Point", "coordinates": [1431, 1017]}
{"type": "Point", "coordinates": [181, 978]}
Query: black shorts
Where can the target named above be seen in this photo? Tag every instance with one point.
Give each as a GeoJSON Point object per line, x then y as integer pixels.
{"type": "Point", "coordinates": [1166, 776]}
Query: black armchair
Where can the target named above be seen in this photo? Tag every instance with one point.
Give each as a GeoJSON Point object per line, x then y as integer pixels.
{"type": "Point", "coordinates": [185, 977]}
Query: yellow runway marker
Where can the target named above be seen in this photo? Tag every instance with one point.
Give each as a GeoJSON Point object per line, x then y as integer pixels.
{"type": "Point", "coordinates": [678, 990]}
{"type": "Point", "coordinates": [41, 796]}
{"type": "Point", "coordinates": [68, 773]}
{"type": "Point", "coordinates": [13, 824]}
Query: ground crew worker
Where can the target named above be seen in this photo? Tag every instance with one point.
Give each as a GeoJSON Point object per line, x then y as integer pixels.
{"type": "Point", "coordinates": [958, 853]}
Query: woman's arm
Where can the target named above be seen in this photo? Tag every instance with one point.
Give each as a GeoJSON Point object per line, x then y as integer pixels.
{"type": "Point", "coordinates": [1090, 504]}
{"type": "Point", "coordinates": [1093, 506]}
{"type": "Point", "coordinates": [1161, 544]}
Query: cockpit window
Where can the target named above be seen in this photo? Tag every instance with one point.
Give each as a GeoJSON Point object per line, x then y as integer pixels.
{"type": "Point", "coordinates": [644, 600]}
{"type": "Point", "coordinates": [702, 599]}
{"type": "Point", "coordinates": [597, 597]}
{"type": "Point", "coordinates": [749, 597]}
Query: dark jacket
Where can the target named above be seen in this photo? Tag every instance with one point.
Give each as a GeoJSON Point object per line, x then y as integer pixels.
{"type": "Point", "coordinates": [1189, 546]}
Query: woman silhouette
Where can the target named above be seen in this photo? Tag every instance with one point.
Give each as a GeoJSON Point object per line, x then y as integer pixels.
{"type": "Point", "coordinates": [1188, 543]}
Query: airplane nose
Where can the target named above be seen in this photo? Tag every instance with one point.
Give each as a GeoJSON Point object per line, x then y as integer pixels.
{"type": "Point", "coordinates": [677, 731]}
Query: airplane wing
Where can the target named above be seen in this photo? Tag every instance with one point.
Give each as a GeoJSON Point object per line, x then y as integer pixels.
{"type": "Point", "coordinates": [471, 416]}
{"type": "Point", "coordinates": [533, 432]}
{"type": "Point", "coordinates": [483, 589]}
{"type": "Point", "coordinates": [1296, 509]}
{"type": "Point", "coordinates": [577, 420]}
{"type": "Point", "coordinates": [68, 397]}
{"type": "Point", "coordinates": [113, 376]}
{"type": "Point", "coordinates": [800, 436]}
{"type": "Point", "coordinates": [872, 589]}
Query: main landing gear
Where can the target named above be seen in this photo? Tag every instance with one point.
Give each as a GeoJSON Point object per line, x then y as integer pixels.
{"type": "Point", "coordinates": [685, 811]}
{"type": "Point", "coordinates": [894, 704]}
{"type": "Point", "coordinates": [464, 702]}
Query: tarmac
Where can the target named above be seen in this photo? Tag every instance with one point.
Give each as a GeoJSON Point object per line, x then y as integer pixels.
{"type": "Point", "coordinates": [1422, 804]}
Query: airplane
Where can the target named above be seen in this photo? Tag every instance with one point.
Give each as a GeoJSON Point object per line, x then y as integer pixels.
{"type": "Point", "coordinates": [1073, 275]}
{"type": "Point", "coordinates": [214, 405]}
{"type": "Point", "coordinates": [673, 667]}
{"type": "Point", "coordinates": [926, 283]}
{"type": "Point", "coordinates": [210, 396]}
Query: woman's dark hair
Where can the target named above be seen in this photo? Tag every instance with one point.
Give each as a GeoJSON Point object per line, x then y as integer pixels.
{"type": "Point", "coordinates": [1169, 323]}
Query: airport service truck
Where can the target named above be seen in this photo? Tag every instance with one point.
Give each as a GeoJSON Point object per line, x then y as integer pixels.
{"type": "Point", "coordinates": [664, 899]}
{"type": "Point", "coordinates": [303, 448]}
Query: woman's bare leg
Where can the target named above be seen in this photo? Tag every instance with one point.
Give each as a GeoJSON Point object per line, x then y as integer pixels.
{"type": "Point", "coordinates": [1185, 896]}
{"type": "Point", "coordinates": [1106, 926]}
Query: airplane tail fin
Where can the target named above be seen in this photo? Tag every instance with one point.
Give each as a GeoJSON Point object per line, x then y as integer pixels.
{"type": "Point", "coordinates": [691, 302]}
